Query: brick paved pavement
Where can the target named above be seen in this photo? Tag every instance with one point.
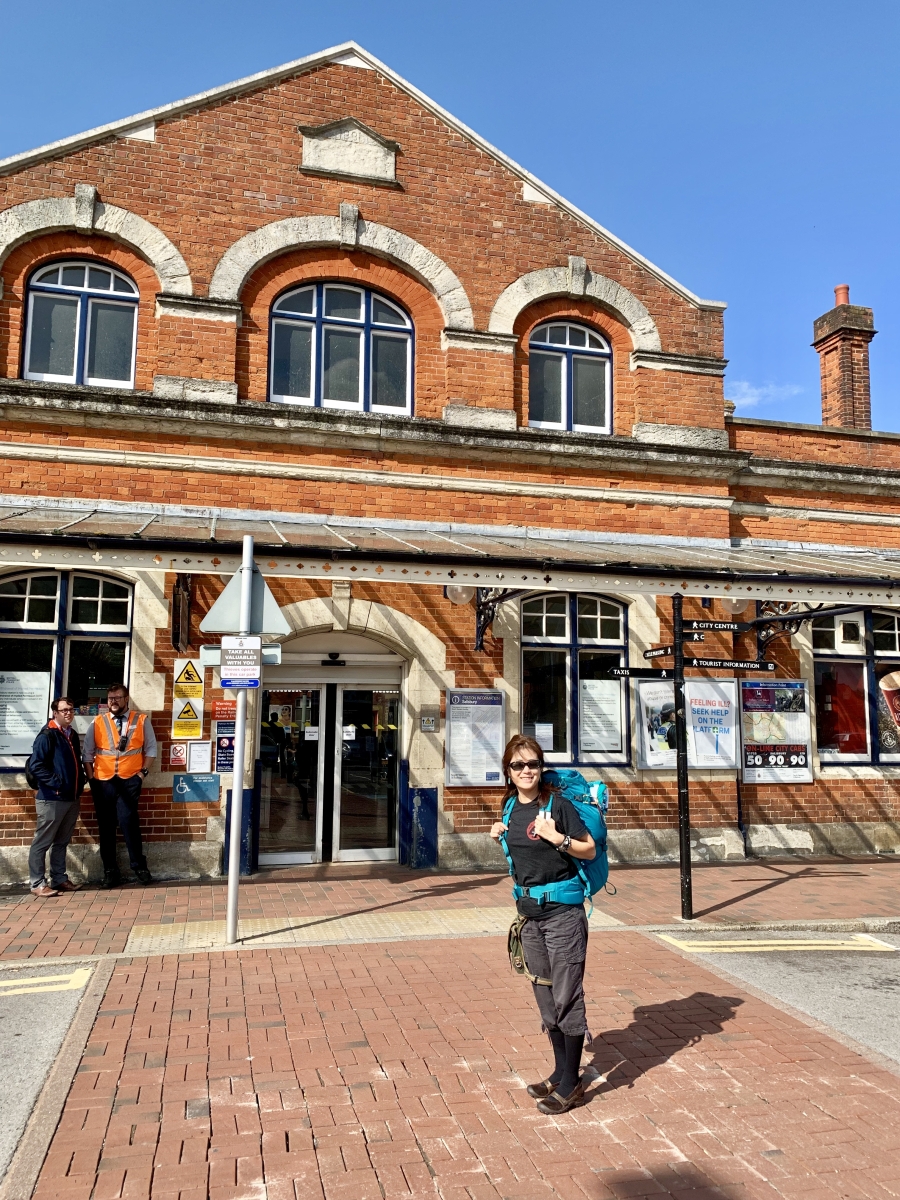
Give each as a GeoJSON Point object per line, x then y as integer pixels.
{"type": "Point", "coordinates": [398, 1070]}
{"type": "Point", "coordinates": [95, 922]}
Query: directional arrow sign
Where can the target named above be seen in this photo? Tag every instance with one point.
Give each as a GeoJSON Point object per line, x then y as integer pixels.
{"type": "Point", "coordinates": [720, 626]}
{"type": "Point", "coordinates": [660, 653]}
{"type": "Point", "coordinates": [639, 673]}
{"type": "Point", "coordinates": [730, 664]}
{"type": "Point", "coordinates": [694, 637]}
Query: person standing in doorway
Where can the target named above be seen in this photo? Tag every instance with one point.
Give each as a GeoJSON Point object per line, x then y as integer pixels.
{"type": "Point", "coordinates": [545, 834]}
{"type": "Point", "coordinates": [56, 765]}
{"type": "Point", "coordinates": [119, 748]}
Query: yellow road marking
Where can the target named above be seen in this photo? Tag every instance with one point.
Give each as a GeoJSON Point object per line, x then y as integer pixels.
{"type": "Point", "coordinates": [860, 941]}
{"type": "Point", "coordinates": [50, 983]}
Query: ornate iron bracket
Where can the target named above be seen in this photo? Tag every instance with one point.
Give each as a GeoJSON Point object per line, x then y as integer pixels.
{"type": "Point", "coordinates": [487, 601]}
{"type": "Point", "coordinates": [783, 618]}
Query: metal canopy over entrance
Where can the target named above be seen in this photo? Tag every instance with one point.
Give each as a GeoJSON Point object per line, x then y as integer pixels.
{"type": "Point", "coordinates": [205, 541]}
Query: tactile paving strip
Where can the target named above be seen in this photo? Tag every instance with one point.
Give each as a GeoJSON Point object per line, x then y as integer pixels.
{"type": "Point", "coordinates": [331, 931]}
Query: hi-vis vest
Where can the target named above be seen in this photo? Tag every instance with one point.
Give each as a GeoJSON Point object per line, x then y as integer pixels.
{"type": "Point", "coordinates": [109, 760]}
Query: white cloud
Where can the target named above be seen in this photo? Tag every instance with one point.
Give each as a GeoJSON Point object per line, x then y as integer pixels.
{"type": "Point", "coordinates": [750, 395]}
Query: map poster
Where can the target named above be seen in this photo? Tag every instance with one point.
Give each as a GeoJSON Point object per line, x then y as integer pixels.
{"type": "Point", "coordinates": [775, 731]}
{"type": "Point", "coordinates": [24, 709]}
{"type": "Point", "coordinates": [476, 737]}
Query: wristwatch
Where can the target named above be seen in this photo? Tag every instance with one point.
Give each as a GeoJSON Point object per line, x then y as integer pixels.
{"type": "Point", "coordinates": [564, 845]}
{"type": "Point", "coordinates": [145, 771]}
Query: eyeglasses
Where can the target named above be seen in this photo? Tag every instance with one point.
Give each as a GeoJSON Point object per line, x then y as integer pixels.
{"type": "Point", "coordinates": [65, 710]}
{"type": "Point", "coordinates": [533, 764]}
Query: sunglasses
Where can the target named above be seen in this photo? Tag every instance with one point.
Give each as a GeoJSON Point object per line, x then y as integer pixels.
{"type": "Point", "coordinates": [533, 764]}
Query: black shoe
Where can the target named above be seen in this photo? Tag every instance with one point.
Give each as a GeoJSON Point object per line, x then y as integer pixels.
{"type": "Point", "coordinates": [540, 1091]}
{"type": "Point", "coordinates": [111, 879]}
{"type": "Point", "coordinates": [144, 875]}
{"type": "Point", "coordinates": [555, 1104]}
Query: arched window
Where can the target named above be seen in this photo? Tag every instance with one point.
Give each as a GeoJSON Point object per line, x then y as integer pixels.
{"type": "Point", "coordinates": [570, 705]}
{"type": "Point", "coordinates": [337, 346]}
{"type": "Point", "coordinates": [62, 633]}
{"type": "Point", "coordinates": [569, 378]}
{"type": "Point", "coordinates": [82, 325]}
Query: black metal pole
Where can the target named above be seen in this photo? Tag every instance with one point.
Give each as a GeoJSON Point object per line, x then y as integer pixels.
{"type": "Point", "coordinates": [681, 758]}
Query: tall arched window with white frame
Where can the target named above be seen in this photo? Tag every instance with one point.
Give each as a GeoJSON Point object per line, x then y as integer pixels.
{"type": "Point", "coordinates": [81, 325]}
{"type": "Point", "coordinates": [61, 633]}
{"type": "Point", "coordinates": [333, 345]}
{"type": "Point", "coordinates": [570, 704]}
{"type": "Point", "coordinates": [569, 378]}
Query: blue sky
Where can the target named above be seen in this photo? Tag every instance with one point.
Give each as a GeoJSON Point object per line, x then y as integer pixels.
{"type": "Point", "coordinates": [748, 150]}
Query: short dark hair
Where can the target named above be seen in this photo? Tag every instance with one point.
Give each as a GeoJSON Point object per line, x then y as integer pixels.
{"type": "Point", "coordinates": [273, 716]}
{"type": "Point", "coordinates": [117, 687]}
{"type": "Point", "coordinates": [61, 700]}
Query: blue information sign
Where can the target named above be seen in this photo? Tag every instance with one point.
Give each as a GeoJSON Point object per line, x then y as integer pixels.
{"type": "Point", "coordinates": [239, 683]}
{"type": "Point", "coordinates": [195, 789]}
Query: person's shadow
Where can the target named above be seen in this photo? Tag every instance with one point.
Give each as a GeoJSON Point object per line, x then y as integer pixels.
{"type": "Point", "coordinates": [657, 1031]}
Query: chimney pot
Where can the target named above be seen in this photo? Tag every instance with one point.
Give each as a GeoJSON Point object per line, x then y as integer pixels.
{"type": "Point", "coordinates": [842, 336]}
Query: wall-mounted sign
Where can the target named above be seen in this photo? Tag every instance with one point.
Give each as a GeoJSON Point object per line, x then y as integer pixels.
{"type": "Point", "coordinates": [195, 789]}
{"type": "Point", "coordinates": [187, 719]}
{"type": "Point", "coordinates": [775, 731]}
{"type": "Point", "coordinates": [225, 754]}
{"type": "Point", "coordinates": [224, 710]}
{"type": "Point", "coordinates": [178, 755]}
{"type": "Point", "coordinates": [199, 757]}
{"type": "Point", "coordinates": [428, 724]}
{"type": "Point", "coordinates": [711, 724]}
{"type": "Point", "coordinates": [188, 683]}
{"type": "Point", "coordinates": [476, 736]}
{"type": "Point", "coordinates": [24, 708]}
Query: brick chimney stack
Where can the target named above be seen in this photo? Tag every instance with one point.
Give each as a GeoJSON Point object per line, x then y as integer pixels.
{"type": "Point", "coordinates": [842, 339]}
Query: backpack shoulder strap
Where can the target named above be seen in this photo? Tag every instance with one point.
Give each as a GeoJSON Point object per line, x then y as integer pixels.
{"type": "Point", "coordinates": [507, 811]}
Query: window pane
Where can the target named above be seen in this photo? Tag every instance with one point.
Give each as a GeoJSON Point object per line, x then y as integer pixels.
{"type": "Point", "coordinates": [610, 622]}
{"type": "Point", "coordinates": [544, 387]}
{"type": "Point", "coordinates": [51, 276]}
{"type": "Point", "coordinates": [99, 279]}
{"type": "Point", "coordinates": [599, 704]}
{"type": "Point", "coordinates": [41, 611]}
{"type": "Point", "coordinates": [386, 314]}
{"type": "Point", "coordinates": [389, 371]}
{"type": "Point", "coordinates": [540, 335]}
{"type": "Point", "coordinates": [823, 633]}
{"type": "Point", "coordinates": [587, 617]}
{"type": "Point", "coordinates": [114, 612]}
{"type": "Point", "coordinates": [85, 612]}
{"type": "Point", "coordinates": [888, 675]}
{"type": "Point", "coordinates": [123, 285]}
{"type": "Point", "coordinates": [12, 609]}
{"type": "Point", "coordinates": [341, 365]}
{"type": "Point", "coordinates": [86, 585]}
{"type": "Point", "coordinates": [885, 628]}
{"type": "Point", "coordinates": [589, 392]}
{"type": "Point", "coordinates": [544, 696]}
{"type": "Point", "coordinates": [594, 342]}
{"type": "Point", "coordinates": [110, 341]}
{"type": "Point", "coordinates": [841, 709]}
{"type": "Point", "coordinates": [114, 591]}
{"type": "Point", "coordinates": [93, 666]}
{"type": "Point", "coordinates": [44, 585]}
{"type": "Point", "coordinates": [14, 587]}
{"type": "Point", "coordinates": [298, 302]}
{"type": "Point", "coordinates": [26, 654]}
{"type": "Point", "coordinates": [558, 335]}
{"type": "Point", "coordinates": [52, 349]}
{"type": "Point", "coordinates": [292, 360]}
{"type": "Point", "coordinates": [341, 302]}
{"type": "Point", "coordinates": [577, 337]}
{"type": "Point", "coordinates": [73, 276]}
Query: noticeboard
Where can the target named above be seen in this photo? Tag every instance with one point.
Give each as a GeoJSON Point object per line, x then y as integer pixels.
{"type": "Point", "coordinates": [24, 708]}
{"type": "Point", "coordinates": [775, 731]}
{"type": "Point", "coordinates": [476, 737]}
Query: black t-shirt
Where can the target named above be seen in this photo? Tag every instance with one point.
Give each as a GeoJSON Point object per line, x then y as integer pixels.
{"type": "Point", "coordinates": [537, 861]}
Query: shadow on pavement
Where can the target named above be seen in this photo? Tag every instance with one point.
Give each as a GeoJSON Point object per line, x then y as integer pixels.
{"type": "Point", "coordinates": [782, 875]}
{"type": "Point", "coordinates": [656, 1033]}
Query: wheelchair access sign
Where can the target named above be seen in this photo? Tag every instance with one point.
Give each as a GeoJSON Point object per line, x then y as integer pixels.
{"type": "Point", "coordinates": [195, 789]}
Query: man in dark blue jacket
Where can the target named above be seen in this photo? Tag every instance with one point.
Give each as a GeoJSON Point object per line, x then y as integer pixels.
{"type": "Point", "coordinates": [56, 765]}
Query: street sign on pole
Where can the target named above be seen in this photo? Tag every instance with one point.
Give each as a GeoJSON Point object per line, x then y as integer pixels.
{"type": "Point", "coordinates": [241, 665]}
{"type": "Point", "coordinates": [244, 616]}
{"type": "Point", "coordinates": [638, 673]}
{"type": "Point", "coordinates": [661, 652]}
{"type": "Point", "coordinates": [265, 615]}
{"type": "Point", "coordinates": [730, 664]}
{"type": "Point", "coordinates": [681, 763]}
{"type": "Point", "coordinates": [720, 626]}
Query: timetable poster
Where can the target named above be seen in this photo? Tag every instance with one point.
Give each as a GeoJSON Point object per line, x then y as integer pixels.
{"type": "Point", "coordinates": [476, 737]}
{"type": "Point", "coordinates": [775, 731]}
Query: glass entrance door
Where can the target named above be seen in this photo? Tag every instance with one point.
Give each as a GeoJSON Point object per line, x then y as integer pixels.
{"type": "Point", "coordinates": [291, 754]}
{"type": "Point", "coordinates": [366, 774]}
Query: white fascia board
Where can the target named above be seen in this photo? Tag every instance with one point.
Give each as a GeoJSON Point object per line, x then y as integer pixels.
{"type": "Point", "coordinates": [347, 52]}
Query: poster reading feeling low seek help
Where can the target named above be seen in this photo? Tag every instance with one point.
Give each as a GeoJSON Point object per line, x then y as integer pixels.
{"type": "Point", "coordinates": [476, 737]}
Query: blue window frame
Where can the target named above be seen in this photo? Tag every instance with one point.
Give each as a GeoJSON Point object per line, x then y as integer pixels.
{"type": "Point", "coordinates": [569, 378]}
{"type": "Point", "coordinates": [81, 325]}
{"type": "Point", "coordinates": [70, 633]}
{"type": "Point", "coordinates": [333, 345]}
{"type": "Point", "coordinates": [569, 642]}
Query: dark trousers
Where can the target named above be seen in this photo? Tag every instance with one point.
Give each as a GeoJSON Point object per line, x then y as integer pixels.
{"type": "Point", "coordinates": [116, 803]}
{"type": "Point", "coordinates": [55, 823]}
{"type": "Point", "coordinates": [555, 948]}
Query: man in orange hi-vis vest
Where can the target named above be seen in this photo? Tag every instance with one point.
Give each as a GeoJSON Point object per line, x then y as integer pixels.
{"type": "Point", "coordinates": [119, 749]}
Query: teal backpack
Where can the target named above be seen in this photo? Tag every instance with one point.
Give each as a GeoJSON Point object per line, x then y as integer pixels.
{"type": "Point", "coordinates": [590, 801]}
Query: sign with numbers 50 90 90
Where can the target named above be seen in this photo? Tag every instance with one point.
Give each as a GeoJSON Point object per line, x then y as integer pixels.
{"type": "Point", "coordinates": [775, 731]}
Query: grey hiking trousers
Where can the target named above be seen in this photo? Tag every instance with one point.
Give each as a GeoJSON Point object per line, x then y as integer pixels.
{"type": "Point", "coordinates": [555, 948]}
{"type": "Point", "coordinates": [55, 824]}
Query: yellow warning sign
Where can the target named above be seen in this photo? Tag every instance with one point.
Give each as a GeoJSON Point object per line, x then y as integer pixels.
{"type": "Point", "coordinates": [187, 719]}
{"type": "Point", "coordinates": [188, 679]}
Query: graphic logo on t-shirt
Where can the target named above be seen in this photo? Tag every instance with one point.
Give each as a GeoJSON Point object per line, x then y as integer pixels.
{"type": "Point", "coordinates": [531, 834]}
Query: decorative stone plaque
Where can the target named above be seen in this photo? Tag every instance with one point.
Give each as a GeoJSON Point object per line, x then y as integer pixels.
{"type": "Point", "coordinates": [349, 149]}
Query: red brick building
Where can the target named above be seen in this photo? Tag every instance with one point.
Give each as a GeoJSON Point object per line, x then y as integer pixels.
{"type": "Point", "coordinates": [313, 306]}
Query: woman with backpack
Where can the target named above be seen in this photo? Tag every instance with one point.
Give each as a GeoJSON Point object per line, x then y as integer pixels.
{"type": "Point", "coordinates": [543, 836]}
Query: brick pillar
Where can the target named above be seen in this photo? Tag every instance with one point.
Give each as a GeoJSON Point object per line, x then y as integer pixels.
{"type": "Point", "coordinates": [842, 339]}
